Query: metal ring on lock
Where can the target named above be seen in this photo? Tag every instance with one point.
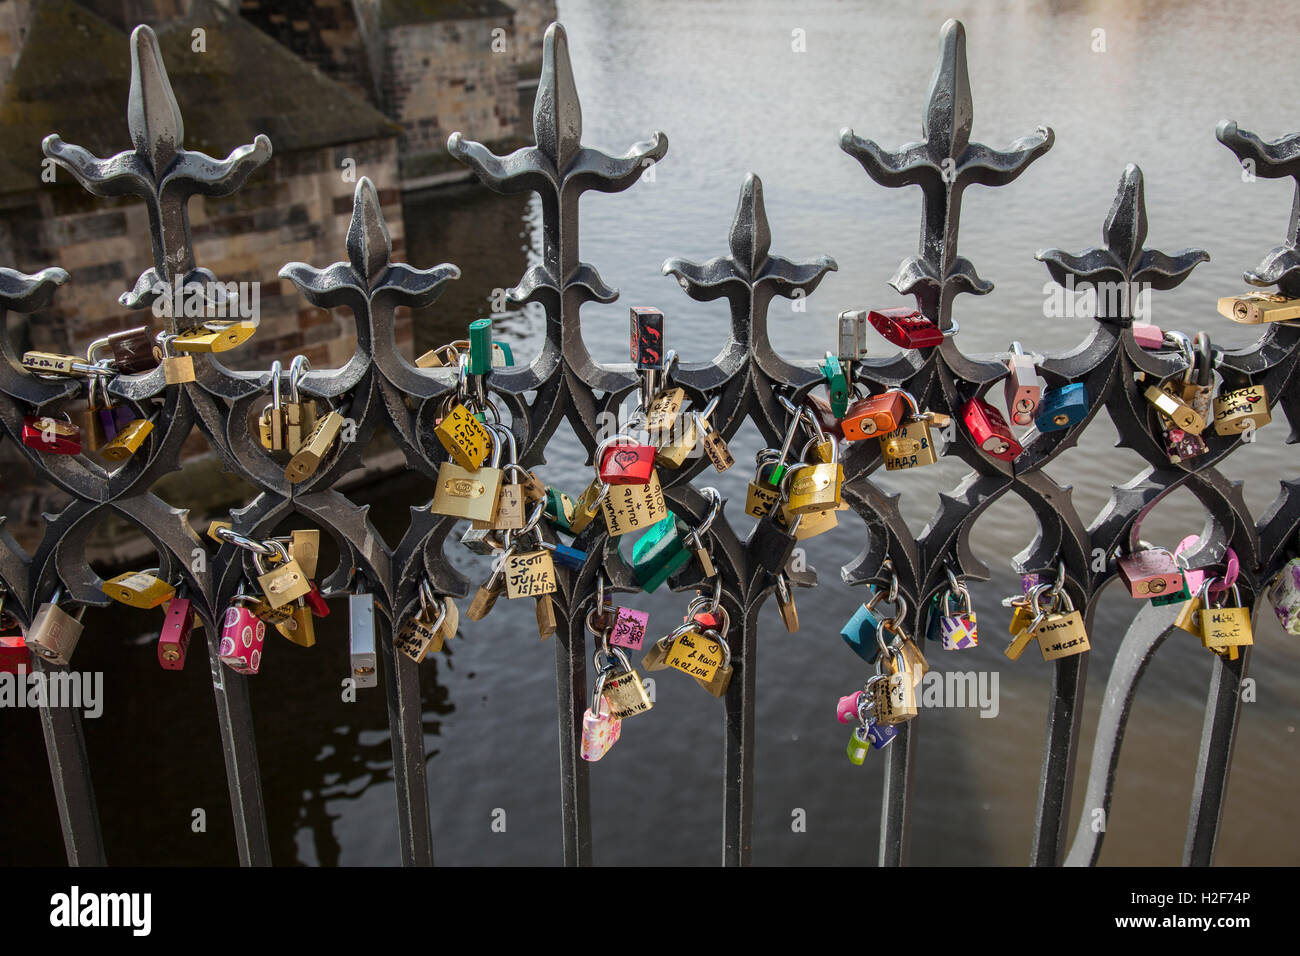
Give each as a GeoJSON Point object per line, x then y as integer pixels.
{"type": "Point", "coordinates": [276, 548]}
{"type": "Point", "coordinates": [911, 399]}
{"type": "Point", "coordinates": [299, 367]}
{"type": "Point", "coordinates": [1035, 605]}
{"type": "Point", "coordinates": [615, 655]}
{"type": "Point", "coordinates": [231, 536]}
{"type": "Point", "coordinates": [709, 607]}
{"type": "Point", "coordinates": [715, 508]}
{"type": "Point", "coordinates": [888, 650]}
{"type": "Point", "coordinates": [953, 329]}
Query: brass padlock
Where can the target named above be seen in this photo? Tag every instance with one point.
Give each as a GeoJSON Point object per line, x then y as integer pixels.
{"type": "Point", "coordinates": [305, 463]}
{"type": "Point", "coordinates": [304, 547]}
{"type": "Point", "coordinates": [270, 424]}
{"type": "Point", "coordinates": [469, 493]}
{"type": "Point", "coordinates": [298, 414]}
{"type": "Point", "coordinates": [486, 596]}
{"type": "Point", "coordinates": [299, 627]}
{"type": "Point", "coordinates": [54, 632]}
{"type": "Point", "coordinates": [285, 581]}
{"type": "Point", "coordinates": [785, 604]}
{"type": "Point", "coordinates": [92, 426]}
{"type": "Point", "coordinates": [139, 589]}
{"type": "Point", "coordinates": [1189, 617]}
{"type": "Point", "coordinates": [1060, 633]}
{"type": "Point", "coordinates": [1241, 409]}
{"type": "Point", "coordinates": [509, 511]}
{"type": "Point", "coordinates": [895, 696]}
{"type": "Point", "coordinates": [214, 337]}
{"type": "Point", "coordinates": [813, 523]}
{"type": "Point", "coordinates": [546, 625]}
{"type": "Point", "coordinates": [624, 691]}
{"type": "Point", "coordinates": [663, 411]}
{"type": "Point", "coordinates": [1253, 308]}
{"type": "Point", "coordinates": [422, 632]}
{"type": "Point", "coordinates": [629, 507]}
{"type": "Point", "coordinates": [466, 439]}
{"type": "Point", "coordinates": [909, 446]}
{"type": "Point", "coordinates": [815, 487]}
{"type": "Point", "coordinates": [1225, 626]}
{"type": "Point", "coordinates": [128, 440]}
{"type": "Point", "coordinates": [528, 573]}
{"type": "Point", "coordinates": [1175, 409]}
{"type": "Point", "coordinates": [177, 369]}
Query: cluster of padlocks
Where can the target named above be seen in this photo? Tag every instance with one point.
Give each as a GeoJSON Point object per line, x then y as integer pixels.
{"type": "Point", "coordinates": [798, 486]}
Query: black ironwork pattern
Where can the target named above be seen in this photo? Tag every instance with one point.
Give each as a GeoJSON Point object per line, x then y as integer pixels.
{"type": "Point", "coordinates": [378, 388]}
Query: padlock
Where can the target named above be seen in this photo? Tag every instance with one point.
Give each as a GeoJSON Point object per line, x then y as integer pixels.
{"type": "Point", "coordinates": [695, 653]}
{"type": "Point", "coordinates": [1023, 388]}
{"type": "Point", "coordinates": [426, 629]}
{"type": "Point", "coordinates": [1061, 407]}
{"type": "Point", "coordinates": [895, 698]}
{"type": "Point", "coordinates": [647, 325]}
{"type": "Point", "coordinates": [138, 589]}
{"type": "Point", "coordinates": [675, 448]}
{"type": "Point", "coordinates": [54, 632]}
{"type": "Point", "coordinates": [214, 337]}
{"type": "Point", "coordinates": [1241, 409]}
{"type": "Point", "coordinates": [587, 506]}
{"type": "Point", "coordinates": [174, 641]}
{"type": "Point", "coordinates": [51, 436]}
{"type": "Point", "coordinates": [1184, 593]}
{"type": "Point", "coordinates": [1225, 626]}
{"type": "Point", "coordinates": [917, 665]}
{"type": "Point", "coordinates": [861, 631]}
{"type": "Point", "coordinates": [528, 574]}
{"type": "Point", "coordinates": [559, 508]}
{"type": "Point", "coordinates": [545, 612]}
{"type": "Point", "coordinates": [127, 441]}
{"type": "Point", "coordinates": [1179, 413]}
{"type": "Point", "coordinates": [466, 438]}
{"type": "Point", "coordinates": [565, 556]}
{"type": "Point", "coordinates": [859, 746]}
{"type": "Point", "coordinates": [113, 418]}
{"type": "Point", "coordinates": [299, 415]}
{"type": "Point", "coordinates": [958, 628]}
{"type": "Point", "coordinates": [285, 581]}
{"type": "Point", "coordinates": [811, 523]}
{"type": "Point", "coordinates": [785, 604]}
{"type": "Point", "coordinates": [625, 693]}
{"type": "Point", "coordinates": [441, 357]}
{"type": "Point", "coordinates": [1148, 336]}
{"type": "Point", "coordinates": [632, 507]}
{"type": "Point", "coordinates": [1061, 633]}
{"type": "Point", "coordinates": [1284, 595]}
{"type": "Point", "coordinates": [815, 487]}
{"type": "Point", "coordinates": [485, 598]}
{"type": "Point", "coordinates": [243, 636]}
{"type": "Point", "coordinates": [874, 416]}
{"type": "Point", "coordinates": [601, 729]}
{"type": "Point", "coordinates": [298, 627]}
{"type": "Point", "coordinates": [1189, 616]}
{"type": "Point", "coordinates": [837, 385]}
{"type": "Point", "coordinates": [270, 424]}
{"type": "Point", "coordinates": [909, 446]}
{"type": "Point", "coordinates": [132, 350]}
{"type": "Point", "coordinates": [362, 655]}
{"type": "Point", "coordinates": [90, 421]}
{"type": "Point", "coordinates": [662, 413]}
{"type": "Point", "coordinates": [14, 655]}
{"type": "Point", "coordinates": [906, 328]}
{"type": "Point", "coordinates": [762, 495]}
{"type": "Point", "coordinates": [624, 462]}
{"type": "Point", "coordinates": [990, 430]}
{"type": "Point", "coordinates": [660, 553]}
{"type": "Point", "coordinates": [313, 451]}
{"type": "Point", "coordinates": [1020, 630]}
{"type": "Point", "coordinates": [177, 369]}
{"type": "Point", "coordinates": [629, 628]}
{"type": "Point", "coordinates": [853, 335]}
{"type": "Point", "coordinates": [1252, 308]}
{"type": "Point", "coordinates": [509, 512]}
{"type": "Point", "coordinates": [1150, 572]}
{"type": "Point", "coordinates": [466, 493]}
{"type": "Point", "coordinates": [55, 363]}
{"type": "Point", "coordinates": [772, 544]}
{"type": "Point", "coordinates": [846, 712]}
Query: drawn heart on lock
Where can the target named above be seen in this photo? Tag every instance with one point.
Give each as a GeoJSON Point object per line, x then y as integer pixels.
{"type": "Point", "coordinates": [1253, 398]}
{"type": "Point", "coordinates": [626, 459]}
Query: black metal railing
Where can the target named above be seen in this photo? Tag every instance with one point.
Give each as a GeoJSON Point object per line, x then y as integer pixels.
{"type": "Point", "coordinates": [384, 390]}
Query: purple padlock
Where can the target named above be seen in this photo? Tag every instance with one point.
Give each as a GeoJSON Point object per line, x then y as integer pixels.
{"type": "Point", "coordinates": [881, 734]}
{"type": "Point", "coordinates": [629, 628]}
{"type": "Point", "coordinates": [847, 710]}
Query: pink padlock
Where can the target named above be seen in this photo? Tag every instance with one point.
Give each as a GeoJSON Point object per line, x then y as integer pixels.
{"type": "Point", "coordinates": [847, 711]}
{"type": "Point", "coordinates": [243, 634]}
{"type": "Point", "coordinates": [1151, 573]}
{"type": "Point", "coordinates": [1147, 335]}
{"type": "Point", "coordinates": [599, 731]}
{"type": "Point", "coordinates": [629, 628]}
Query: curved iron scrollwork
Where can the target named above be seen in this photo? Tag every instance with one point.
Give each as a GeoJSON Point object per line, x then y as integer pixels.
{"type": "Point", "coordinates": [379, 388]}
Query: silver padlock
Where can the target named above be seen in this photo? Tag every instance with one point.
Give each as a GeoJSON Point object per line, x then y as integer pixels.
{"type": "Point", "coordinates": [1023, 388]}
{"type": "Point", "coordinates": [54, 632]}
{"type": "Point", "coordinates": [361, 641]}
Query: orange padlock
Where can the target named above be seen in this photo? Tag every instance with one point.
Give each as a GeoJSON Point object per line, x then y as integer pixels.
{"type": "Point", "coordinates": [874, 416]}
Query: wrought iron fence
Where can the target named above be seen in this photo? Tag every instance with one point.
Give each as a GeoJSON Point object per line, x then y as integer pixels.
{"type": "Point", "coordinates": [563, 382]}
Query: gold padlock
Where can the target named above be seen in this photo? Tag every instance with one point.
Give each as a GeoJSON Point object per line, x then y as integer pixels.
{"type": "Point", "coordinates": [1189, 617]}
{"type": "Point", "coordinates": [813, 523]}
{"type": "Point", "coordinates": [815, 487]}
{"type": "Point", "coordinates": [1253, 308]}
{"type": "Point", "coordinates": [305, 463]}
{"type": "Point", "coordinates": [785, 604]}
{"type": "Point", "coordinates": [696, 652]}
{"type": "Point", "coordinates": [631, 507]}
{"type": "Point", "coordinates": [546, 625]}
{"type": "Point", "coordinates": [682, 443]}
{"type": "Point", "coordinates": [462, 493]}
{"type": "Point", "coordinates": [909, 446]}
{"type": "Point", "coordinates": [1241, 409]}
{"type": "Point", "coordinates": [138, 589]}
{"type": "Point", "coordinates": [214, 337]}
{"type": "Point", "coordinates": [1061, 633]}
{"type": "Point", "coordinates": [626, 694]}
{"type": "Point", "coordinates": [1175, 409]}
{"type": "Point", "coordinates": [285, 581]}
{"type": "Point", "coordinates": [529, 573]}
{"type": "Point", "coordinates": [894, 693]}
{"type": "Point", "coordinates": [466, 439]}
{"type": "Point", "coordinates": [486, 596]}
{"type": "Point", "coordinates": [54, 632]}
{"type": "Point", "coordinates": [663, 411]}
{"type": "Point", "coordinates": [1225, 625]}
{"type": "Point", "coordinates": [304, 547]}
{"type": "Point", "coordinates": [128, 440]}
{"type": "Point", "coordinates": [299, 626]}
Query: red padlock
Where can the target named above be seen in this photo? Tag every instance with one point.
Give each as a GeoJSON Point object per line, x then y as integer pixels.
{"type": "Point", "coordinates": [14, 654]}
{"type": "Point", "coordinates": [873, 417]}
{"type": "Point", "coordinates": [990, 430]}
{"type": "Point", "coordinates": [243, 634]}
{"type": "Point", "coordinates": [174, 641]}
{"type": "Point", "coordinates": [51, 435]}
{"type": "Point", "coordinates": [316, 601]}
{"type": "Point", "coordinates": [627, 464]}
{"type": "Point", "coordinates": [907, 328]}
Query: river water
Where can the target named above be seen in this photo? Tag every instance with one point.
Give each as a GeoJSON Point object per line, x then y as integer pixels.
{"type": "Point", "coordinates": [724, 81]}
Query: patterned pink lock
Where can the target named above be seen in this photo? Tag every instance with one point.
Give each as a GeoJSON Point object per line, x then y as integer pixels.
{"type": "Point", "coordinates": [629, 628]}
{"type": "Point", "coordinates": [847, 711]}
{"type": "Point", "coordinates": [599, 732]}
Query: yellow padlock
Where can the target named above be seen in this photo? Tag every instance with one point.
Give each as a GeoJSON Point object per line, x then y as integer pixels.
{"type": "Point", "coordinates": [139, 589]}
{"type": "Point", "coordinates": [127, 441]}
{"type": "Point", "coordinates": [214, 337]}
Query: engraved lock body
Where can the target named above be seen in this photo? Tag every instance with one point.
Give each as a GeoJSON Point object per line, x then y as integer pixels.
{"type": "Point", "coordinates": [425, 630]}
{"type": "Point", "coordinates": [624, 462]}
{"type": "Point", "coordinates": [764, 492]}
{"type": "Point", "coordinates": [174, 641]}
{"type": "Point", "coordinates": [314, 449]}
{"type": "Point", "coordinates": [469, 493]}
{"type": "Point", "coordinates": [632, 507]}
{"type": "Point", "coordinates": [1150, 573]}
{"type": "Point", "coordinates": [1061, 407]}
{"type": "Point", "coordinates": [626, 694]}
{"type": "Point", "coordinates": [529, 574]}
{"type": "Point", "coordinates": [243, 636]}
{"type": "Point", "coordinates": [906, 328]}
{"type": "Point", "coordinates": [874, 416]}
{"type": "Point", "coordinates": [1284, 596]}
{"type": "Point", "coordinates": [895, 697]}
{"type": "Point", "coordinates": [362, 653]}
{"type": "Point", "coordinates": [1023, 387]}
{"type": "Point", "coordinates": [664, 409]}
{"type": "Point", "coordinates": [990, 430]}
{"type": "Point", "coordinates": [140, 589]}
{"type": "Point", "coordinates": [1252, 308]}
{"type": "Point", "coordinates": [908, 446]}
{"type": "Point", "coordinates": [51, 436]}
{"type": "Point", "coordinates": [284, 581]}
{"type": "Point", "coordinates": [1177, 411]}
{"type": "Point", "coordinates": [214, 337]}
{"type": "Point", "coordinates": [815, 487]}
{"type": "Point", "coordinates": [717, 684]}
{"type": "Point", "coordinates": [696, 652]}
{"type": "Point", "coordinates": [1225, 625]}
{"type": "Point", "coordinates": [54, 632]}
{"type": "Point", "coordinates": [1241, 409]}
{"type": "Point", "coordinates": [127, 441]}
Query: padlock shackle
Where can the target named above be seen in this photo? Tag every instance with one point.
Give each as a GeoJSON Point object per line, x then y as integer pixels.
{"type": "Point", "coordinates": [277, 402]}
{"type": "Point", "coordinates": [299, 367]}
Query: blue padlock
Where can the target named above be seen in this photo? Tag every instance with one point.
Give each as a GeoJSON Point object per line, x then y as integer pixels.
{"type": "Point", "coordinates": [566, 556]}
{"type": "Point", "coordinates": [881, 734]}
{"type": "Point", "coordinates": [861, 630]}
{"type": "Point", "coordinates": [1062, 407]}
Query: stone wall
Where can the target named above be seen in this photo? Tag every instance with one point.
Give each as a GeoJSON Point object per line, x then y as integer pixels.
{"type": "Point", "coordinates": [14, 16]}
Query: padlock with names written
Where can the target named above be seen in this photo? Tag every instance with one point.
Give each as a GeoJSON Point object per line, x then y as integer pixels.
{"type": "Point", "coordinates": [315, 448]}
{"type": "Point", "coordinates": [695, 653]}
{"type": "Point", "coordinates": [632, 507]}
{"type": "Point", "coordinates": [1225, 625]}
{"type": "Point", "coordinates": [465, 438]}
{"type": "Point", "coordinates": [895, 697]}
{"type": "Point", "coordinates": [1241, 410]}
{"type": "Point", "coordinates": [625, 692]}
{"type": "Point", "coordinates": [127, 441]}
{"type": "Point", "coordinates": [142, 589]}
{"type": "Point", "coordinates": [429, 627]}
{"type": "Point", "coordinates": [662, 414]}
{"type": "Point", "coordinates": [717, 684]}
{"type": "Point", "coordinates": [1061, 633]}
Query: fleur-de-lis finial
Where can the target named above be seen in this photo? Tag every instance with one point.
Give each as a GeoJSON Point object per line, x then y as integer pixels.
{"type": "Point", "coordinates": [1124, 261]}
{"type": "Point", "coordinates": [1271, 160]}
{"type": "Point", "coordinates": [749, 268]}
{"type": "Point", "coordinates": [159, 169]}
{"type": "Point", "coordinates": [943, 165]}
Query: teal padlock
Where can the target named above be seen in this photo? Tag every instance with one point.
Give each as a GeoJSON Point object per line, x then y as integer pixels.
{"type": "Point", "coordinates": [1177, 598]}
{"type": "Point", "coordinates": [559, 509]}
{"type": "Point", "coordinates": [480, 346]}
{"type": "Point", "coordinates": [660, 552]}
{"type": "Point", "coordinates": [837, 385]}
{"type": "Point", "coordinates": [502, 355]}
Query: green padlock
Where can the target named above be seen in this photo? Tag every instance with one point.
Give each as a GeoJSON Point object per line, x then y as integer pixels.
{"type": "Point", "coordinates": [1176, 598]}
{"type": "Point", "coordinates": [559, 509]}
{"type": "Point", "coordinates": [480, 346]}
{"type": "Point", "coordinates": [837, 385]}
{"type": "Point", "coordinates": [858, 746]}
{"type": "Point", "coordinates": [502, 351]}
{"type": "Point", "coordinates": [660, 552]}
